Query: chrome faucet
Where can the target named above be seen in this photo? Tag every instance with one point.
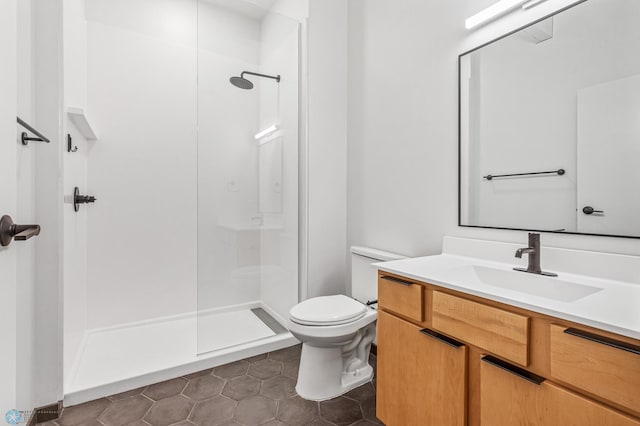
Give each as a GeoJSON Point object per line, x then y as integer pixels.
{"type": "Point", "coordinates": [534, 257]}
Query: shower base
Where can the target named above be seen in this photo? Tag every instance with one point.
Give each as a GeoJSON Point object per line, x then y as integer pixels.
{"type": "Point", "coordinates": [125, 357]}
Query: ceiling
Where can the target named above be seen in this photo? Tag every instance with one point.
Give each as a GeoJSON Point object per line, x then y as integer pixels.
{"type": "Point", "coordinates": [255, 9]}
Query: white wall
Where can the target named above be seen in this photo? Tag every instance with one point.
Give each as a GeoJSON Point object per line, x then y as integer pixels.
{"type": "Point", "coordinates": [142, 100]}
{"type": "Point", "coordinates": [403, 125]}
{"type": "Point", "coordinates": [26, 208]}
{"type": "Point", "coordinates": [326, 194]}
{"type": "Point", "coordinates": [175, 197]}
{"type": "Point", "coordinates": [74, 174]}
{"type": "Point", "coordinates": [8, 203]}
{"type": "Point", "coordinates": [47, 23]}
{"type": "Point", "coordinates": [32, 194]}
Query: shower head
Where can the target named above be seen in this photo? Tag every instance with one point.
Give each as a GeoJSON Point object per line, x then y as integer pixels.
{"type": "Point", "coordinates": [243, 83]}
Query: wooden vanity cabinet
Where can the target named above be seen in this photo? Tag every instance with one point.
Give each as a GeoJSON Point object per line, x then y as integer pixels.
{"type": "Point", "coordinates": [511, 396]}
{"type": "Point", "coordinates": [449, 358]}
{"type": "Point", "coordinates": [422, 375]}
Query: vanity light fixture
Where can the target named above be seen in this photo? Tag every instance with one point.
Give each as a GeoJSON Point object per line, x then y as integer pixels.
{"type": "Point", "coordinates": [266, 132]}
{"type": "Point", "coordinates": [492, 12]}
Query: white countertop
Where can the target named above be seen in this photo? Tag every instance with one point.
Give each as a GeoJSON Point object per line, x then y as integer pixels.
{"type": "Point", "coordinates": [615, 307]}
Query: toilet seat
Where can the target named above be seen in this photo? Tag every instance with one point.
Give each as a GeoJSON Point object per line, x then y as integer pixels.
{"type": "Point", "coordinates": [327, 310]}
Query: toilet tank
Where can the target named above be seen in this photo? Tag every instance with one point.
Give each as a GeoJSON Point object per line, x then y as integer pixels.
{"type": "Point", "coordinates": [364, 276]}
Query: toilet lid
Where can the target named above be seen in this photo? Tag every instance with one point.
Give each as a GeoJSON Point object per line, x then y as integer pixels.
{"type": "Point", "coordinates": [327, 310]}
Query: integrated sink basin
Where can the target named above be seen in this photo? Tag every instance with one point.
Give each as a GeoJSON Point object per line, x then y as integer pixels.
{"type": "Point", "coordinates": [536, 285]}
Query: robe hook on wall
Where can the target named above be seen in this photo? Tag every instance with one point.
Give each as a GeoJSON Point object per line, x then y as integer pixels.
{"type": "Point", "coordinates": [70, 147]}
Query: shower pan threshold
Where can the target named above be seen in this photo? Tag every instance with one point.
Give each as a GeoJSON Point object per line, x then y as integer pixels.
{"type": "Point", "coordinates": [124, 357]}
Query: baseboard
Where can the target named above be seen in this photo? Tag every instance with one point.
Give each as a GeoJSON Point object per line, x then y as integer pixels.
{"type": "Point", "coordinates": [45, 413]}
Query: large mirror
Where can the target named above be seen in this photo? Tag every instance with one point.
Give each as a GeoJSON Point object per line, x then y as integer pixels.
{"type": "Point", "coordinates": [550, 124]}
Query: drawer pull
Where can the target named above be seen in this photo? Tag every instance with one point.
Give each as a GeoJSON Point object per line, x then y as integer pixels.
{"type": "Point", "coordinates": [396, 280]}
{"type": "Point", "coordinates": [444, 339]}
{"type": "Point", "coordinates": [634, 349]}
{"type": "Point", "coordinates": [520, 372]}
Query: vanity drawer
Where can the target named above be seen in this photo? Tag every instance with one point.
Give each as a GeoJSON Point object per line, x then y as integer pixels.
{"type": "Point", "coordinates": [401, 296]}
{"type": "Point", "coordinates": [597, 364]}
{"type": "Point", "coordinates": [504, 333]}
{"type": "Point", "coordinates": [513, 396]}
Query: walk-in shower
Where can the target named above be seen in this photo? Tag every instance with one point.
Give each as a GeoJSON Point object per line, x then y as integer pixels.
{"type": "Point", "coordinates": [203, 269]}
{"type": "Point", "coordinates": [243, 83]}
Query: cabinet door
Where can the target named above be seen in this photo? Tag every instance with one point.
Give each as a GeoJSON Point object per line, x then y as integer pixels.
{"type": "Point", "coordinates": [511, 396]}
{"type": "Point", "coordinates": [421, 376]}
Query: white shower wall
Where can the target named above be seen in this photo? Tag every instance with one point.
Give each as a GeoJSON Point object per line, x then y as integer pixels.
{"type": "Point", "coordinates": [175, 167]}
{"type": "Point", "coordinates": [142, 100]}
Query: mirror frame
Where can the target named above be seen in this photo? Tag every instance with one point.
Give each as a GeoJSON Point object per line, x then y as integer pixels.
{"type": "Point", "coordinates": [460, 136]}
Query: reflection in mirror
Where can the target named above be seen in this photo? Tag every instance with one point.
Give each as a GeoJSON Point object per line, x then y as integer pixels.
{"type": "Point", "coordinates": [556, 108]}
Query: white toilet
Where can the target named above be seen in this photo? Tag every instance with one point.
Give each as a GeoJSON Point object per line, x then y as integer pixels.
{"type": "Point", "coordinates": [337, 331]}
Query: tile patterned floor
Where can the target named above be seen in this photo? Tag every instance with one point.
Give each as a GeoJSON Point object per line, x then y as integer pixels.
{"type": "Point", "coordinates": [256, 391]}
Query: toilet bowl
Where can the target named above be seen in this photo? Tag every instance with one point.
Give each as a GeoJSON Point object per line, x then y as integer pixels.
{"type": "Point", "coordinates": [335, 346]}
{"type": "Point", "coordinates": [337, 332]}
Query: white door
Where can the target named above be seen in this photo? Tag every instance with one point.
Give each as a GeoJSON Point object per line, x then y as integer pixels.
{"type": "Point", "coordinates": [609, 158]}
{"type": "Point", "coordinates": [8, 204]}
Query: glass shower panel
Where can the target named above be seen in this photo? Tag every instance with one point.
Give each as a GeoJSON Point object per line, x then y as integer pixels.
{"type": "Point", "coordinates": [247, 173]}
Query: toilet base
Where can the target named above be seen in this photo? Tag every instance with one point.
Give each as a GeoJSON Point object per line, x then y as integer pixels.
{"type": "Point", "coordinates": [322, 373]}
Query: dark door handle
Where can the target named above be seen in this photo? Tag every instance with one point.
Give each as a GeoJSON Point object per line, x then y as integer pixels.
{"type": "Point", "coordinates": [590, 210]}
{"type": "Point", "coordinates": [9, 231]}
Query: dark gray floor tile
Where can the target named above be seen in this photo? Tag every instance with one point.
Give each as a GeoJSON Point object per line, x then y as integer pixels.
{"type": "Point", "coordinates": [127, 394]}
{"type": "Point", "coordinates": [169, 410]}
{"type": "Point", "coordinates": [265, 369]}
{"type": "Point", "coordinates": [198, 374]}
{"type": "Point", "coordinates": [90, 422]}
{"type": "Point", "coordinates": [204, 387]}
{"type": "Point", "coordinates": [125, 411]}
{"type": "Point", "coordinates": [78, 414]}
{"type": "Point", "coordinates": [369, 409]}
{"type": "Point", "coordinates": [234, 369]}
{"type": "Point", "coordinates": [166, 389]}
{"type": "Point", "coordinates": [340, 411]}
{"type": "Point", "coordinates": [297, 411]}
{"type": "Point", "coordinates": [264, 387]}
{"type": "Point", "coordinates": [361, 393]}
{"type": "Point", "coordinates": [241, 387]}
{"type": "Point", "coordinates": [319, 422]}
{"type": "Point", "coordinates": [287, 354]}
{"type": "Point", "coordinates": [218, 410]}
{"type": "Point", "coordinates": [278, 387]}
{"type": "Point", "coordinates": [255, 410]}
{"type": "Point", "coordinates": [290, 369]}
{"type": "Point", "coordinates": [138, 423]}
{"type": "Point", "coordinates": [253, 359]}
